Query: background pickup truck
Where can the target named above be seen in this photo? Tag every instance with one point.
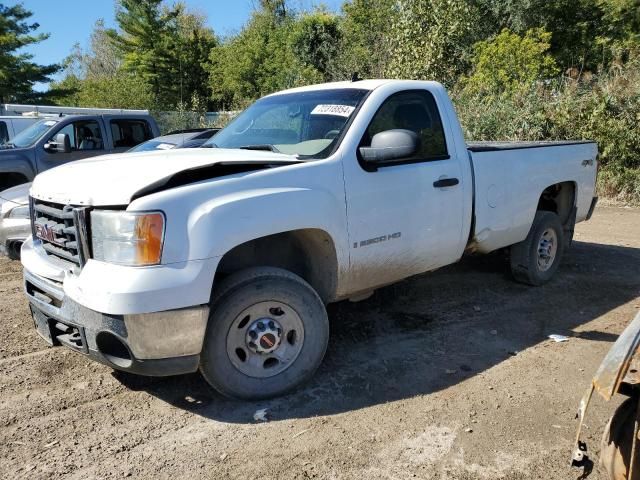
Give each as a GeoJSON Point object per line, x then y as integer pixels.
{"type": "Point", "coordinates": [53, 141]}
{"type": "Point", "coordinates": [10, 126]}
{"type": "Point", "coordinates": [223, 258]}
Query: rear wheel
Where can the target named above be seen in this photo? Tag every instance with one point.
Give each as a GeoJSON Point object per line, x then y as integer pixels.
{"type": "Point", "coordinates": [536, 258]}
{"type": "Point", "coordinates": [267, 333]}
{"type": "Point", "coordinates": [615, 448]}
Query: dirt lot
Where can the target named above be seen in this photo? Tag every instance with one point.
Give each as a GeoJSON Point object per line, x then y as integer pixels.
{"type": "Point", "coordinates": [408, 373]}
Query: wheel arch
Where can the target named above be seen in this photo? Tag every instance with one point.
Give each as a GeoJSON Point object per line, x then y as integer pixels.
{"type": "Point", "coordinates": [12, 179]}
{"type": "Point", "coordinates": [559, 198]}
{"type": "Point", "coordinates": [309, 253]}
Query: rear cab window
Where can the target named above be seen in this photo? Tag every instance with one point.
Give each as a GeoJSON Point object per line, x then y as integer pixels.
{"type": "Point", "coordinates": [129, 133]}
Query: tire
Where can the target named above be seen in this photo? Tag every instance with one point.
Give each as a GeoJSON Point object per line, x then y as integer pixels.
{"type": "Point", "coordinates": [13, 249]}
{"type": "Point", "coordinates": [289, 324]}
{"type": "Point", "coordinates": [615, 448]}
{"type": "Point", "coordinates": [528, 265]}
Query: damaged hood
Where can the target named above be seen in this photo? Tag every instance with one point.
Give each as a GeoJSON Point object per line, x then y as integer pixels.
{"type": "Point", "coordinates": [119, 178]}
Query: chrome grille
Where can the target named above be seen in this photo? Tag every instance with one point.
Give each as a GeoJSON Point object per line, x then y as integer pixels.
{"type": "Point", "coordinates": [57, 227]}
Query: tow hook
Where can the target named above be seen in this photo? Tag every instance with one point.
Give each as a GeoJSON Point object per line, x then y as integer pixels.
{"type": "Point", "coordinates": [581, 460]}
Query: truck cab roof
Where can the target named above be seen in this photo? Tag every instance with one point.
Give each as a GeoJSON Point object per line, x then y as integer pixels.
{"type": "Point", "coordinates": [360, 84]}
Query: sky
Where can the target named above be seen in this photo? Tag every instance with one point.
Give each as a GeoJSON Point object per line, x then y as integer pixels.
{"type": "Point", "coordinates": [71, 21]}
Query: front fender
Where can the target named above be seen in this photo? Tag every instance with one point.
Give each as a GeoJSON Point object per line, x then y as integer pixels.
{"type": "Point", "coordinates": [208, 219]}
{"type": "Point", "coordinates": [18, 161]}
{"type": "Point", "coordinates": [238, 218]}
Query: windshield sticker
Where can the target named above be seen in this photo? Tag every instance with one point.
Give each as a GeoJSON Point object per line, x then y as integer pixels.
{"type": "Point", "coordinates": [165, 146]}
{"type": "Point", "coordinates": [338, 110]}
{"type": "Point", "coordinates": [49, 123]}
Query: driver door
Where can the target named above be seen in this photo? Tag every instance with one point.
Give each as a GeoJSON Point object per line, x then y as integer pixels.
{"type": "Point", "coordinates": [402, 218]}
{"type": "Point", "coordinates": [85, 137]}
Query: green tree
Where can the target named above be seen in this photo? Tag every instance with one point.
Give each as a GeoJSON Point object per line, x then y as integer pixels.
{"type": "Point", "coordinates": [432, 39]}
{"type": "Point", "coordinates": [18, 73]}
{"type": "Point", "coordinates": [509, 62]}
{"type": "Point", "coordinates": [192, 46]}
{"type": "Point", "coordinates": [121, 90]}
{"type": "Point", "coordinates": [316, 41]}
{"type": "Point", "coordinates": [95, 77]}
{"type": "Point", "coordinates": [100, 60]}
{"type": "Point", "coordinates": [622, 18]}
{"type": "Point", "coordinates": [364, 44]}
{"type": "Point", "coordinates": [575, 25]}
{"type": "Point", "coordinates": [258, 60]}
{"type": "Point", "coordinates": [166, 46]}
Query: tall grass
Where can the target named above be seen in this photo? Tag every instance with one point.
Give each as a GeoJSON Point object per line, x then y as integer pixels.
{"type": "Point", "coordinates": [604, 108]}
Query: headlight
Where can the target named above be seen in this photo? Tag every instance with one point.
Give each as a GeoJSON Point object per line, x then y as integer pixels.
{"type": "Point", "coordinates": [19, 212]}
{"type": "Point", "coordinates": [127, 238]}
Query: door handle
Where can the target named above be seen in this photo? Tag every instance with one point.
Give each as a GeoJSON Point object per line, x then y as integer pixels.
{"type": "Point", "coordinates": [446, 182]}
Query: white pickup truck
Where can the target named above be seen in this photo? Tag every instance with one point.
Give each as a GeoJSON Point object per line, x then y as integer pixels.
{"type": "Point", "coordinates": [223, 258]}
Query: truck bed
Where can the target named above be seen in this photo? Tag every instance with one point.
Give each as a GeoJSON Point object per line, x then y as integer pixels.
{"type": "Point", "coordinates": [498, 146]}
{"type": "Point", "coordinates": [509, 178]}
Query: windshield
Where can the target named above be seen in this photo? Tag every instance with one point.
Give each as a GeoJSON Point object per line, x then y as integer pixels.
{"type": "Point", "coordinates": [306, 123]}
{"type": "Point", "coordinates": [32, 134]}
{"type": "Point", "coordinates": [152, 145]}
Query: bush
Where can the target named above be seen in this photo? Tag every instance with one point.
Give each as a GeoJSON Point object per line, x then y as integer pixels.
{"type": "Point", "coordinates": [508, 61]}
{"type": "Point", "coordinates": [604, 108]}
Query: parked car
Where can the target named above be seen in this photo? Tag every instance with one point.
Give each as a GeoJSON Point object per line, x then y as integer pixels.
{"type": "Point", "coordinates": [619, 373]}
{"type": "Point", "coordinates": [223, 259]}
{"type": "Point", "coordinates": [15, 223]}
{"type": "Point", "coordinates": [53, 141]}
{"type": "Point", "coordinates": [178, 139]}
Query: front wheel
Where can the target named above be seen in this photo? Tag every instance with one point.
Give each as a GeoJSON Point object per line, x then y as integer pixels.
{"type": "Point", "coordinates": [267, 333]}
{"type": "Point", "coordinates": [536, 258]}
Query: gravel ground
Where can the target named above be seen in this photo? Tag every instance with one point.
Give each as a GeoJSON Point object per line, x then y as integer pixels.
{"type": "Point", "coordinates": [446, 375]}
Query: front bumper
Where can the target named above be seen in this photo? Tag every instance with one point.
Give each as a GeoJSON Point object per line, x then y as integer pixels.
{"type": "Point", "coordinates": [157, 344]}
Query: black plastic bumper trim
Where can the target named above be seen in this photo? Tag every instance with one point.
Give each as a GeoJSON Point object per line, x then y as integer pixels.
{"type": "Point", "coordinates": [594, 201]}
{"type": "Point", "coordinates": [161, 367]}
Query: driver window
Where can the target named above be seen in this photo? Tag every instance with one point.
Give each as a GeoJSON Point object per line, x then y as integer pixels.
{"type": "Point", "coordinates": [83, 135]}
{"type": "Point", "coordinates": [67, 130]}
{"type": "Point", "coordinates": [413, 110]}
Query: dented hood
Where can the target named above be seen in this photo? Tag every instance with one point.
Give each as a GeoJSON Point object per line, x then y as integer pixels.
{"type": "Point", "coordinates": [119, 178]}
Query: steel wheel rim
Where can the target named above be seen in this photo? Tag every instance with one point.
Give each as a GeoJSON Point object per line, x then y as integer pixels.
{"type": "Point", "coordinates": [547, 249]}
{"type": "Point", "coordinates": [275, 347]}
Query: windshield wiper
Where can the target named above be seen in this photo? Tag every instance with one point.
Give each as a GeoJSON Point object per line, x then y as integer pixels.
{"type": "Point", "coordinates": [261, 146]}
{"type": "Point", "coordinates": [8, 145]}
{"type": "Point", "coordinates": [209, 145]}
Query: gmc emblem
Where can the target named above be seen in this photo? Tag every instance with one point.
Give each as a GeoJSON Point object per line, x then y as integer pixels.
{"type": "Point", "coordinates": [47, 233]}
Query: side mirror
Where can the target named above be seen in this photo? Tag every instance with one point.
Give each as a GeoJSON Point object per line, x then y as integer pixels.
{"type": "Point", "coordinates": [62, 144]}
{"type": "Point", "coordinates": [390, 145]}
